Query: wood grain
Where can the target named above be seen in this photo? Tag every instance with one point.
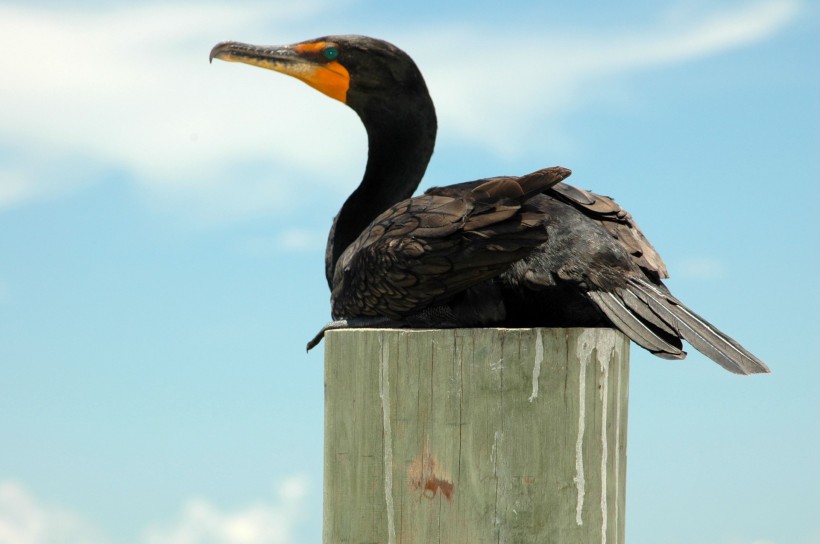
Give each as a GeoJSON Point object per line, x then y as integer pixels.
{"type": "Point", "coordinates": [475, 435]}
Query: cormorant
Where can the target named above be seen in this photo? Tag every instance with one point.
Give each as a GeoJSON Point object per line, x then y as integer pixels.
{"type": "Point", "coordinates": [506, 251]}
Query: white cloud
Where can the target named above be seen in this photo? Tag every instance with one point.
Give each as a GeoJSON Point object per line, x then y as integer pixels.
{"type": "Point", "coordinates": [15, 187]}
{"type": "Point", "coordinates": [700, 268]}
{"type": "Point", "coordinates": [555, 72]}
{"type": "Point", "coordinates": [261, 523]}
{"type": "Point", "coordinates": [291, 239]}
{"type": "Point", "coordinates": [129, 89]}
{"type": "Point", "coordinates": [23, 520]}
{"type": "Point", "coordinates": [298, 239]}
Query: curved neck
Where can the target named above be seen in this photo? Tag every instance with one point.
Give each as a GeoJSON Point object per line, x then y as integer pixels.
{"type": "Point", "coordinates": [401, 134]}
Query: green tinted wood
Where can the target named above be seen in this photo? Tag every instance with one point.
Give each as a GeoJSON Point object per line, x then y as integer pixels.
{"type": "Point", "coordinates": [475, 435]}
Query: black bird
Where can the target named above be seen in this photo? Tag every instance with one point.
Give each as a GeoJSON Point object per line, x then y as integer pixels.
{"type": "Point", "coordinates": [507, 251]}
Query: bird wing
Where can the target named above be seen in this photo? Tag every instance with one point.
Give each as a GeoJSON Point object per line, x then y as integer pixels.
{"type": "Point", "coordinates": [617, 221]}
{"type": "Point", "coordinates": [427, 249]}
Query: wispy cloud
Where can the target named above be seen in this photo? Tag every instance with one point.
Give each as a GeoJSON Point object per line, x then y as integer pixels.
{"type": "Point", "coordinates": [24, 520]}
{"type": "Point", "coordinates": [291, 239]}
{"type": "Point", "coordinates": [261, 523]}
{"type": "Point", "coordinates": [297, 239]}
{"type": "Point", "coordinates": [554, 73]}
{"type": "Point", "coordinates": [15, 187]}
{"type": "Point", "coordinates": [129, 90]}
{"type": "Point", "coordinates": [700, 268]}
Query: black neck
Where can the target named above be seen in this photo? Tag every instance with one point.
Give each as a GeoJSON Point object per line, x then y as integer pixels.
{"type": "Point", "coordinates": [401, 134]}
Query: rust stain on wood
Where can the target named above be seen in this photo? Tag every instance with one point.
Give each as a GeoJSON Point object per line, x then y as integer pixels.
{"type": "Point", "coordinates": [421, 474]}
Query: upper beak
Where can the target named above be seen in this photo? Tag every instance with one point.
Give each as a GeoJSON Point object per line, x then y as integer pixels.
{"type": "Point", "coordinates": [265, 56]}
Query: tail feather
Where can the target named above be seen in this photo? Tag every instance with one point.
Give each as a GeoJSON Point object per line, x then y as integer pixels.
{"type": "Point", "coordinates": [631, 325]}
{"type": "Point", "coordinates": [644, 310]}
{"type": "Point", "coordinates": [701, 334]}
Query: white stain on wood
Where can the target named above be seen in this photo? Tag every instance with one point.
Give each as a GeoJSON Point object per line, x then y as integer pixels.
{"type": "Point", "coordinates": [496, 519]}
{"type": "Point", "coordinates": [536, 368]}
{"type": "Point", "coordinates": [384, 395]}
{"type": "Point", "coordinates": [580, 483]}
{"type": "Point", "coordinates": [493, 452]}
{"type": "Point", "coordinates": [604, 351]}
{"type": "Point", "coordinates": [618, 447]}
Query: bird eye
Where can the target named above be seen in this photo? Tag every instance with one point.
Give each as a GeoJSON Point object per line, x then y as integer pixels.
{"type": "Point", "coordinates": [330, 53]}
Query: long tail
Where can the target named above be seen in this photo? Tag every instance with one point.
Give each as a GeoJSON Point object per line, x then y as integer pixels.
{"type": "Point", "coordinates": [656, 320]}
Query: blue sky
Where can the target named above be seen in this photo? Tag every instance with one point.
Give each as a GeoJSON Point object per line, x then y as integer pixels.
{"type": "Point", "coordinates": [162, 223]}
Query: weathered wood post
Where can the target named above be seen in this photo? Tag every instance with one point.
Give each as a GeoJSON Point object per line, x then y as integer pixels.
{"type": "Point", "coordinates": [475, 436]}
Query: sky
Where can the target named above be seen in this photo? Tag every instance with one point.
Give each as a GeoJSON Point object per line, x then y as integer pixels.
{"type": "Point", "coordinates": [162, 224]}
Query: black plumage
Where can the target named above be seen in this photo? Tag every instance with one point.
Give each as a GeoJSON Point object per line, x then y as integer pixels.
{"type": "Point", "coordinates": [508, 251]}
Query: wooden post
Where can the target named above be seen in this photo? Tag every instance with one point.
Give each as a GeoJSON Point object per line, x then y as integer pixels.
{"type": "Point", "coordinates": [475, 436]}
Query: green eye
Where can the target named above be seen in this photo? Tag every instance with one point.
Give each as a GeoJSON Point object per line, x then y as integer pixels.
{"type": "Point", "coordinates": [330, 53]}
